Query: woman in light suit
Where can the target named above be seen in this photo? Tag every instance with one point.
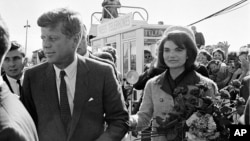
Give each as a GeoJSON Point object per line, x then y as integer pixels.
{"type": "Point", "coordinates": [177, 53]}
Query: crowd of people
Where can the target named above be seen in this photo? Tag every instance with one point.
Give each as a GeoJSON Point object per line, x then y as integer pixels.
{"type": "Point", "coordinates": [70, 93]}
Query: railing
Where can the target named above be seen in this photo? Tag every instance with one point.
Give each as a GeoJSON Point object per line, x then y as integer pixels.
{"type": "Point", "coordinates": [117, 6]}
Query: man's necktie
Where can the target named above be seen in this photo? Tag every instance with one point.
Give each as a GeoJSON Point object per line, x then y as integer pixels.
{"type": "Point", "coordinates": [64, 103]}
{"type": "Point", "coordinates": [20, 86]}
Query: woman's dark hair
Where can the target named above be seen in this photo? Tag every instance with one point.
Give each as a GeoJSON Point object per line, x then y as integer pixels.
{"type": "Point", "coordinates": [232, 55]}
{"type": "Point", "coordinates": [182, 40]}
{"type": "Point", "coordinates": [221, 52]}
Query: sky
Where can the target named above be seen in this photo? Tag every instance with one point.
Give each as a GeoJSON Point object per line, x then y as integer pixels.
{"type": "Point", "coordinates": [233, 27]}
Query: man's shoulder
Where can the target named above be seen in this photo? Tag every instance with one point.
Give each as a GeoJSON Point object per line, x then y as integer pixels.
{"type": "Point", "coordinates": [37, 68]}
{"type": "Point", "coordinates": [94, 61]}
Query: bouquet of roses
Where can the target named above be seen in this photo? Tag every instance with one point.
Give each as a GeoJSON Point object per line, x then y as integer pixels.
{"type": "Point", "coordinates": [196, 116]}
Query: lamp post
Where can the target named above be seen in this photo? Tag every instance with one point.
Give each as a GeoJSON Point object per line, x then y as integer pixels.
{"type": "Point", "coordinates": [26, 26]}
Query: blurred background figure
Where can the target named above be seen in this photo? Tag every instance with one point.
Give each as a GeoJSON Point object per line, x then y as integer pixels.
{"type": "Point", "coordinates": [113, 10]}
{"type": "Point", "coordinates": [41, 56]}
{"type": "Point", "coordinates": [15, 122]}
{"type": "Point", "coordinates": [104, 55]}
{"type": "Point", "coordinates": [199, 38]}
{"type": "Point", "coordinates": [34, 57]}
{"type": "Point", "coordinates": [13, 66]}
{"type": "Point", "coordinates": [203, 57]}
{"type": "Point", "coordinates": [148, 58]}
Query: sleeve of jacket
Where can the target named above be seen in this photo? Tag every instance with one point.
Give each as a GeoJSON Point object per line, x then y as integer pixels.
{"type": "Point", "coordinates": [10, 134]}
{"type": "Point", "coordinates": [244, 90]}
{"type": "Point", "coordinates": [116, 114]}
{"type": "Point", "coordinates": [145, 113]}
{"type": "Point", "coordinates": [26, 97]}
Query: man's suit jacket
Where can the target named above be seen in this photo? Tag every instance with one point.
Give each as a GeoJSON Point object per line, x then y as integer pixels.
{"type": "Point", "coordinates": [97, 100]}
{"type": "Point", "coordinates": [15, 122]}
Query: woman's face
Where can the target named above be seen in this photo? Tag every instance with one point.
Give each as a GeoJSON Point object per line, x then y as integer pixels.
{"type": "Point", "coordinates": [218, 56]}
{"type": "Point", "coordinates": [174, 56]}
{"type": "Point", "coordinates": [202, 58]}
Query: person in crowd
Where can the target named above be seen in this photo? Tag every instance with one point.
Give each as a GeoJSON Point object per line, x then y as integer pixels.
{"type": "Point", "coordinates": [15, 122]}
{"type": "Point", "coordinates": [83, 51]}
{"type": "Point", "coordinates": [245, 118]}
{"type": "Point", "coordinates": [41, 57]}
{"type": "Point", "coordinates": [73, 95]}
{"type": "Point", "coordinates": [238, 67]}
{"type": "Point", "coordinates": [244, 90]}
{"type": "Point", "coordinates": [112, 10]}
{"type": "Point", "coordinates": [199, 38]}
{"type": "Point", "coordinates": [243, 54]}
{"type": "Point", "coordinates": [177, 54]}
{"type": "Point", "coordinates": [218, 73]}
{"type": "Point", "coordinates": [204, 57]}
{"type": "Point", "coordinates": [112, 51]}
{"type": "Point", "coordinates": [148, 58]}
{"type": "Point", "coordinates": [34, 57]}
{"type": "Point", "coordinates": [13, 65]}
{"type": "Point", "coordinates": [104, 55]}
{"type": "Point", "coordinates": [218, 54]}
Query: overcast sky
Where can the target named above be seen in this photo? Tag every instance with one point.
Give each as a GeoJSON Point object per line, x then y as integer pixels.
{"type": "Point", "coordinates": [233, 27]}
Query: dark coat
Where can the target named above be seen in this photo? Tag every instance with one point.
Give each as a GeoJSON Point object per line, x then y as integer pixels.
{"type": "Point", "coordinates": [97, 100]}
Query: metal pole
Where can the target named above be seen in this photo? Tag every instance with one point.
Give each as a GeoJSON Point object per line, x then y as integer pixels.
{"type": "Point", "coordinates": [26, 39]}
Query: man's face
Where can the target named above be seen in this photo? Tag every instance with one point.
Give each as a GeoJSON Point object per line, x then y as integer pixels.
{"type": "Point", "coordinates": [34, 58]}
{"type": "Point", "coordinates": [147, 58]}
{"type": "Point", "coordinates": [59, 49]}
{"type": "Point", "coordinates": [14, 63]}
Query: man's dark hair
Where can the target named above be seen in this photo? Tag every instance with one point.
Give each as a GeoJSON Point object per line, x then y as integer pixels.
{"type": "Point", "coordinates": [70, 20]}
{"type": "Point", "coordinates": [16, 46]}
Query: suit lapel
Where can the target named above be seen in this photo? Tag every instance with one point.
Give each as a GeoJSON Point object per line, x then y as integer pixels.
{"type": "Point", "coordinates": [51, 96]}
{"type": "Point", "coordinates": [7, 82]}
{"type": "Point", "coordinates": [81, 93]}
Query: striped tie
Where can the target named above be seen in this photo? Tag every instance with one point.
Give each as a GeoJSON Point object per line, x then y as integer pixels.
{"type": "Point", "coordinates": [64, 103]}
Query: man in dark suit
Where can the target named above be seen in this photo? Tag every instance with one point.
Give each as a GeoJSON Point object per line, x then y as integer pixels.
{"type": "Point", "coordinates": [199, 38]}
{"type": "Point", "coordinates": [15, 122]}
{"type": "Point", "coordinates": [73, 96]}
{"type": "Point", "coordinates": [13, 66]}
